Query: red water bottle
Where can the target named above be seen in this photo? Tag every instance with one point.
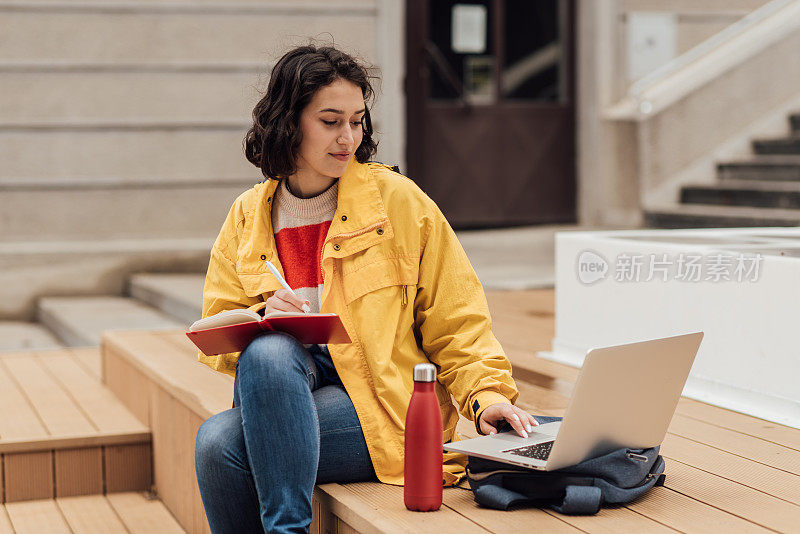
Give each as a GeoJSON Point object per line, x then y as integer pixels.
{"type": "Point", "coordinates": [423, 461]}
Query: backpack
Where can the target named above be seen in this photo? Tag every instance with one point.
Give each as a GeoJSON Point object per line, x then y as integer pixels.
{"type": "Point", "coordinates": [614, 478]}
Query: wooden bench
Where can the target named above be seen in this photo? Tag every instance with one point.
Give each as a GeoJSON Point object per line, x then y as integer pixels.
{"type": "Point", "coordinates": [726, 472]}
{"type": "Point", "coordinates": [62, 432]}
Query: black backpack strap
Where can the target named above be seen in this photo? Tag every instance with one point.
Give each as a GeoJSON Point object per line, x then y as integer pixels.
{"type": "Point", "coordinates": [395, 168]}
{"type": "Point", "coordinates": [497, 497]}
{"type": "Point", "coordinates": [580, 500]}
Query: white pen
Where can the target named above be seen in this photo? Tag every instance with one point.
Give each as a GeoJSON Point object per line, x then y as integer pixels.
{"type": "Point", "coordinates": [275, 272]}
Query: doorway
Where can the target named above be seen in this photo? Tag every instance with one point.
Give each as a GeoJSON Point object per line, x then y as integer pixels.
{"type": "Point", "coordinates": [490, 109]}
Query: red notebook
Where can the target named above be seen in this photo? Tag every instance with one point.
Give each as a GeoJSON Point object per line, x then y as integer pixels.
{"type": "Point", "coordinates": [217, 335]}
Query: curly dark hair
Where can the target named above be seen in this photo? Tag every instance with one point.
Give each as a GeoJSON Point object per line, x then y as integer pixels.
{"type": "Point", "coordinates": [273, 141]}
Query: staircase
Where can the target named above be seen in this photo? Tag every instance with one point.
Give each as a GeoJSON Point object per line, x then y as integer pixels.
{"type": "Point", "coordinates": [763, 190]}
{"type": "Point", "coordinates": [160, 301]}
{"type": "Point", "coordinates": [76, 440]}
{"type": "Point", "coordinates": [73, 457]}
{"type": "Point", "coordinates": [76, 445]}
{"type": "Point", "coordinates": [122, 137]}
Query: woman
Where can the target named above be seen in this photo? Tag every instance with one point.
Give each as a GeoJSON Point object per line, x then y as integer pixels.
{"type": "Point", "coordinates": [359, 240]}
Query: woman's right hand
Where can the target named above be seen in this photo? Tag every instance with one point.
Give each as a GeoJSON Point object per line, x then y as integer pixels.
{"type": "Point", "coordinates": [284, 300]}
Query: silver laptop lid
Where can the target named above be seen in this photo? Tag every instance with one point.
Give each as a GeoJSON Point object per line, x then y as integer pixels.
{"type": "Point", "coordinates": [624, 397]}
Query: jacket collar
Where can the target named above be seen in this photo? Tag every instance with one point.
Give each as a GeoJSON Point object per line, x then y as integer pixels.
{"type": "Point", "coordinates": [360, 221]}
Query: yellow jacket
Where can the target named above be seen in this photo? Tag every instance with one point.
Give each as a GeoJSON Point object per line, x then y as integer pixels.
{"type": "Point", "coordinates": [395, 273]}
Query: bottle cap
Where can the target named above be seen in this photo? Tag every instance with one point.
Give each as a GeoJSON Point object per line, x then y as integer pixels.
{"type": "Point", "coordinates": [424, 372]}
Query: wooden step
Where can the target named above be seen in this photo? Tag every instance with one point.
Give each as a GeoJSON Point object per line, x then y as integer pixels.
{"type": "Point", "coordinates": [133, 512]}
{"type": "Point", "coordinates": [726, 472]}
{"type": "Point", "coordinates": [62, 432]}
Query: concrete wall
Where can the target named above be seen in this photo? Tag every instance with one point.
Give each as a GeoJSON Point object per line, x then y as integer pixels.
{"type": "Point", "coordinates": [697, 19]}
{"type": "Point", "coordinates": [120, 117]}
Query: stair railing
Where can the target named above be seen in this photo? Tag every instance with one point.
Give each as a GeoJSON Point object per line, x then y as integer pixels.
{"type": "Point", "coordinates": [676, 123]}
{"type": "Point", "coordinates": [721, 52]}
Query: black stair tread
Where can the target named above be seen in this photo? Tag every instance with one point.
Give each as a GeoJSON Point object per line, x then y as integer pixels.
{"type": "Point", "coordinates": [778, 145]}
{"type": "Point", "coordinates": [713, 210]}
{"type": "Point", "coordinates": [749, 185]}
{"type": "Point", "coordinates": [762, 168]}
{"type": "Point", "coordinates": [791, 138]}
{"type": "Point", "coordinates": [763, 160]}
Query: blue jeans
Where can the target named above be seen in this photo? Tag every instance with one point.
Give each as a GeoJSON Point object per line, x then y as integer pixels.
{"type": "Point", "coordinates": [292, 425]}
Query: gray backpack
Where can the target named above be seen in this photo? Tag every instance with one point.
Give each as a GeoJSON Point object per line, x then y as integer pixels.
{"type": "Point", "coordinates": [615, 478]}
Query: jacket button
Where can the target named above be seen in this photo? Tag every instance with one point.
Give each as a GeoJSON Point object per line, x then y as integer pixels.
{"type": "Point", "coordinates": [263, 257]}
{"type": "Point", "coordinates": [336, 246]}
{"type": "Point", "coordinates": [380, 231]}
{"type": "Point", "coordinates": [344, 217]}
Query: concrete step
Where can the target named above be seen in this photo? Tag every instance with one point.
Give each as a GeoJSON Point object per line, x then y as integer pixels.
{"type": "Point", "coordinates": [20, 335]}
{"type": "Point", "coordinates": [38, 97]}
{"type": "Point", "coordinates": [784, 145]}
{"type": "Point", "coordinates": [177, 209]}
{"type": "Point", "coordinates": [711, 216]}
{"type": "Point", "coordinates": [770, 168]}
{"type": "Point", "coordinates": [33, 269]}
{"type": "Point", "coordinates": [764, 194]}
{"type": "Point", "coordinates": [175, 32]}
{"type": "Point", "coordinates": [80, 321]}
{"type": "Point", "coordinates": [146, 153]}
{"type": "Point", "coordinates": [178, 295]}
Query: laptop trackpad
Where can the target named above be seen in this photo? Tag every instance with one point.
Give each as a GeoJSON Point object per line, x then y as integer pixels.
{"type": "Point", "coordinates": [550, 429]}
{"type": "Point", "coordinates": [544, 432]}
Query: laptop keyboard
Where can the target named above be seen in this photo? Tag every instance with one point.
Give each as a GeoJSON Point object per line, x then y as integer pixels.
{"type": "Point", "coordinates": [540, 451]}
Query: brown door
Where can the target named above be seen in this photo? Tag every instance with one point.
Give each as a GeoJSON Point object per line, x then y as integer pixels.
{"type": "Point", "coordinates": [490, 109]}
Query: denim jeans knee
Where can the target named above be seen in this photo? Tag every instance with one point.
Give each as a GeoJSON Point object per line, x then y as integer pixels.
{"type": "Point", "coordinates": [216, 441]}
{"type": "Point", "coordinates": [273, 355]}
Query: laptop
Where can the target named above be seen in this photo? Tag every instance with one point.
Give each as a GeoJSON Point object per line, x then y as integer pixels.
{"type": "Point", "coordinates": [624, 397]}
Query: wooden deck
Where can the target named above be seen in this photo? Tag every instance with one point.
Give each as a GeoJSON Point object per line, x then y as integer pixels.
{"type": "Point", "coordinates": [726, 472]}
{"type": "Point", "coordinates": [62, 432]}
{"type": "Point", "coordinates": [129, 512]}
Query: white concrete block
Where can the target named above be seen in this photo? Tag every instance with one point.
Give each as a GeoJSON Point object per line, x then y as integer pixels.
{"type": "Point", "coordinates": [749, 360]}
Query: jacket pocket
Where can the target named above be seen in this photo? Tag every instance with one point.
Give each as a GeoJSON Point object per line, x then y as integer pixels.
{"type": "Point", "coordinates": [378, 274]}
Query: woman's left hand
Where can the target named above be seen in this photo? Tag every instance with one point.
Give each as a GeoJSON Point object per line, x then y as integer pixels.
{"type": "Point", "coordinates": [519, 419]}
